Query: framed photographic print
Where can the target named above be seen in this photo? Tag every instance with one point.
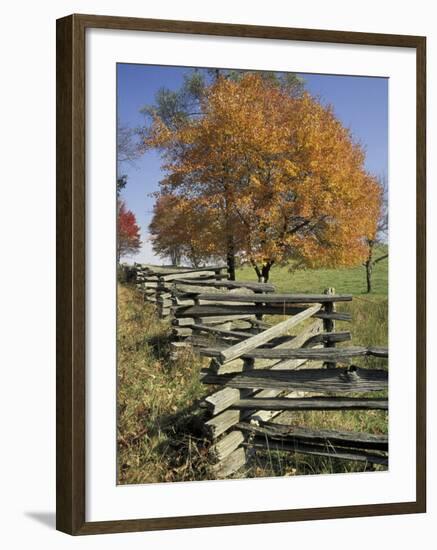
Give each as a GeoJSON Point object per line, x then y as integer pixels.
{"type": "Point", "coordinates": [240, 274]}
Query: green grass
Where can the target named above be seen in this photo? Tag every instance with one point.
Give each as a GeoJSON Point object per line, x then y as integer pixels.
{"type": "Point", "coordinates": [159, 424]}
{"type": "Point", "coordinates": [346, 281]}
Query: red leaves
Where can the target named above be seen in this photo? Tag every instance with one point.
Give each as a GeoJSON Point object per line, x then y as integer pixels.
{"type": "Point", "coordinates": [128, 232]}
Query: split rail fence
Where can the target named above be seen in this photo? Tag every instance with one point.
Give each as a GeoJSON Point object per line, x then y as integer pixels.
{"type": "Point", "coordinates": [156, 282]}
{"type": "Point", "coordinates": [257, 371]}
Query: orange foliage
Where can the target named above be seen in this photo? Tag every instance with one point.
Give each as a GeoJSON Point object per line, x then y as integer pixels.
{"type": "Point", "coordinates": [183, 229]}
{"type": "Point", "coordinates": [279, 175]}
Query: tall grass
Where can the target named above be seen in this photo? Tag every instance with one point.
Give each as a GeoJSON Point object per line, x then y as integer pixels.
{"type": "Point", "coordinates": [159, 434]}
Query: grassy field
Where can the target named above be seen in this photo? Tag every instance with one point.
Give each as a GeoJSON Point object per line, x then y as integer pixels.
{"type": "Point", "coordinates": [159, 424]}
{"type": "Point", "coordinates": [346, 281]}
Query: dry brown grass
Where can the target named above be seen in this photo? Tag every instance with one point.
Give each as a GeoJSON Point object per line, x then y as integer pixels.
{"type": "Point", "coordinates": [159, 430]}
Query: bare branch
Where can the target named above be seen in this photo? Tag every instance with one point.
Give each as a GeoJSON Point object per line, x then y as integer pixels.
{"type": "Point", "coordinates": [380, 259]}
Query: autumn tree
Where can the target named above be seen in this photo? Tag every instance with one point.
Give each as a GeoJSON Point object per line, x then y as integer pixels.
{"type": "Point", "coordinates": [183, 230]}
{"type": "Point", "coordinates": [177, 108]}
{"type": "Point", "coordinates": [379, 236]}
{"type": "Point", "coordinates": [279, 174]}
{"type": "Point", "coordinates": [164, 230]}
{"type": "Point", "coordinates": [128, 232]}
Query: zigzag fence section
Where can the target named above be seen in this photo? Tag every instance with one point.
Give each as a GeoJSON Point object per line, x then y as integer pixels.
{"type": "Point", "coordinates": [156, 283]}
{"type": "Point", "coordinates": [258, 370]}
{"type": "Point", "coordinates": [175, 292]}
{"type": "Point", "coordinates": [294, 365]}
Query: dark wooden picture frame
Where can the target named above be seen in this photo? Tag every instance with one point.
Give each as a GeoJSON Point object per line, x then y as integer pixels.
{"type": "Point", "coordinates": [71, 248]}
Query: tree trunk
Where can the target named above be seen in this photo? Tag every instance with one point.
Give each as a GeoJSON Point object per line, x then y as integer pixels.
{"type": "Point", "coordinates": [175, 256]}
{"type": "Point", "coordinates": [230, 259]}
{"type": "Point", "coordinates": [369, 268]}
{"type": "Point", "coordinates": [230, 244]}
{"type": "Point", "coordinates": [263, 274]}
{"type": "Point", "coordinates": [265, 271]}
{"type": "Point", "coordinates": [194, 261]}
{"type": "Point", "coordinates": [258, 273]}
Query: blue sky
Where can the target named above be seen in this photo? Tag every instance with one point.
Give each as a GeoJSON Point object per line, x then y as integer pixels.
{"type": "Point", "coordinates": [361, 103]}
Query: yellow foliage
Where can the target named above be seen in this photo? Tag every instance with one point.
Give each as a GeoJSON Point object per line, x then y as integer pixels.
{"type": "Point", "coordinates": [280, 175]}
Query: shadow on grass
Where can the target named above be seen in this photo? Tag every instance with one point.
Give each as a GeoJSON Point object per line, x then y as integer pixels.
{"type": "Point", "coordinates": [186, 447]}
{"type": "Point", "coordinates": [159, 346]}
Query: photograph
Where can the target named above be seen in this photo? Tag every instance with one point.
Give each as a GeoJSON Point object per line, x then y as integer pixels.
{"type": "Point", "coordinates": [252, 273]}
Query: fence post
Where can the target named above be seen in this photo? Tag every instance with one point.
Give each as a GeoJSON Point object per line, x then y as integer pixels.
{"type": "Point", "coordinates": [329, 324]}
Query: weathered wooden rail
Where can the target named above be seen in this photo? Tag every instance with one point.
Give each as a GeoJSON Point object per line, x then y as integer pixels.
{"type": "Point", "coordinates": [290, 434]}
{"type": "Point", "coordinates": [312, 404]}
{"type": "Point", "coordinates": [339, 380]}
{"type": "Point", "coordinates": [272, 309]}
